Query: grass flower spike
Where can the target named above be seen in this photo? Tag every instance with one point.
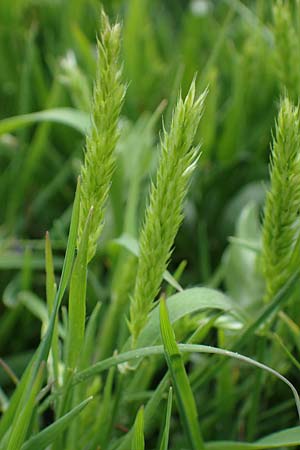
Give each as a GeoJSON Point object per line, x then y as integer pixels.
{"type": "Point", "coordinates": [96, 173]}
{"type": "Point", "coordinates": [281, 216]}
{"type": "Point", "coordinates": [164, 213]}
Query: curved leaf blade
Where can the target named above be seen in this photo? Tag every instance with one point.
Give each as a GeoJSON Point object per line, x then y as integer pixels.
{"type": "Point", "coordinates": [73, 118]}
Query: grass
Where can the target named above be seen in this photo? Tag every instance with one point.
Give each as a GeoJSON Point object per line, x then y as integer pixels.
{"type": "Point", "coordinates": [160, 309]}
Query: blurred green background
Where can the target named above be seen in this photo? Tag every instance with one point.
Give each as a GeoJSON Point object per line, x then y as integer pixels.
{"type": "Point", "coordinates": [244, 51]}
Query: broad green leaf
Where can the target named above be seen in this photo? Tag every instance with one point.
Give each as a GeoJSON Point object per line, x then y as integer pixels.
{"type": "Point", "coordinates": [183, 303]}
{"type": "Point", "coordinates": [243, 281]}
{"type": "Point", "coordinates": [44, 438]}
{"type": "Point", "coordinates": [183, 392]}
{"type": "Point", "coordinates": [138, 442]}
{"type": "Point", "coordinates": [78, 120]}
{"type": "Point", "coordinates": [286, 438]}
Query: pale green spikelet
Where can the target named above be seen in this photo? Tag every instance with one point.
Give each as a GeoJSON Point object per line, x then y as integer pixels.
{"type": "Point", "coordinates": [98, 167]}
{"type": "Point", "coordinates": [164, 213]}
{"type": "Point", "coordinates": [287, 46]}
{"type": "Point", "coordinates": [281, 215]}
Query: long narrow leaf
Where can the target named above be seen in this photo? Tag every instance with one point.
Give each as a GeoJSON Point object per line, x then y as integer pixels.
{"type": "Point", "coordinates": [77, 297]}
{"type": "Point", "coordinates": [25, 385]}
{"type": "Point", "coordinates": [183, 392]}
{"type": "Point", "coordinates": [138, 442]}
{"type": "Point", "coordinates": [165, 437]}
{"type": "Point", "coordinates": [78, 120]}
{"type": "Point", "coordinates": [21, 421]}
{"type": "Point", "coordinates": [286, 438]}
{"type": "Point", "coordinates": [49, 434]}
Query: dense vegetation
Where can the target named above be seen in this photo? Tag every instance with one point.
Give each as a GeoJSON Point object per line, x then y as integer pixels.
{"type": "Point", "coordinates": [149, 239]}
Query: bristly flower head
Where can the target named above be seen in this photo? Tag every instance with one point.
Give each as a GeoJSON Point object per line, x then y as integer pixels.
{"type": "Point", "coordinates": [281, 215]}
{"type": "Point", "coordinates": [164, 213]}
{"type": "Point", "coordinates": [98, 167]}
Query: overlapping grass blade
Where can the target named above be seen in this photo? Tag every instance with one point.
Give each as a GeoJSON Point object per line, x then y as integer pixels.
{"type": "Point", "coordinates": [165, 437]}
{"type": "Point", "coordinates": [184, 303]}
{"type": "Point", "coordinates": [41, 354]}
{"type": "Point", "coordinates": [138, 441]}
{"type": "Point", "coordinates": [78, 120]}
{"type": "Point", "coordinates": [22, 420]}
{"type": "Point", "coordinates": [183, 392]}
{"type": "Point", "coordinates": [286, 438]}
{"type": "Point", "coordinates": [265, 315]}
{"type": "Point", "coordinates": [50, 296]}
{"type": "Point", "coordinates": [45, 437]}
{"type": "Point", "coordinates": [77, 299]}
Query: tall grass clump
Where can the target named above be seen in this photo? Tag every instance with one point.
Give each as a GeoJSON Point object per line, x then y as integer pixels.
{"type": "Point", "coordinates": [280, 254]}
{"type": "Point", "coordinates": [99, 161]}
{"type": "Point", "coordinates": [139, 350]}
{"type": "Point", "coordinates": [164, 214]}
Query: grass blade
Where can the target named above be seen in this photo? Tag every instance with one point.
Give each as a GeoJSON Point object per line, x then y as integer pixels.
{"type": "Point", "coordinates": [77, 298]}
{"type": "Point", "coordinates": [50, 295]}
{"type": "Point", "coordinates": [286, 438]}
{"type": "Point", "coordinates": [184, 396]}
{"type": "Point", "coordinates": [138, 442]}
{"type": "Point", "coordinates": [165, 437]}
{"type": "Point", "coordinates": [78, 120]}
{"type": "Point", "coordinates": [21, 421]}
{"type": "Point", "coordinates": [42, 352]}
{"type": "Point", "coordinates": [183, 303]}
{"type": "Point", "coordinates": [262, 317]}
{"type": "Point", "coordinates": [49, 434]}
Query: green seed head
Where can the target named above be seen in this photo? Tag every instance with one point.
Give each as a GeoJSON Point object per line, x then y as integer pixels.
{"type": "Point", "coordinates": [99, 161]}
{"type": "Point", "coordinates": [280, 226]}
{"type": "Point", "coordinates": [164, 213]}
